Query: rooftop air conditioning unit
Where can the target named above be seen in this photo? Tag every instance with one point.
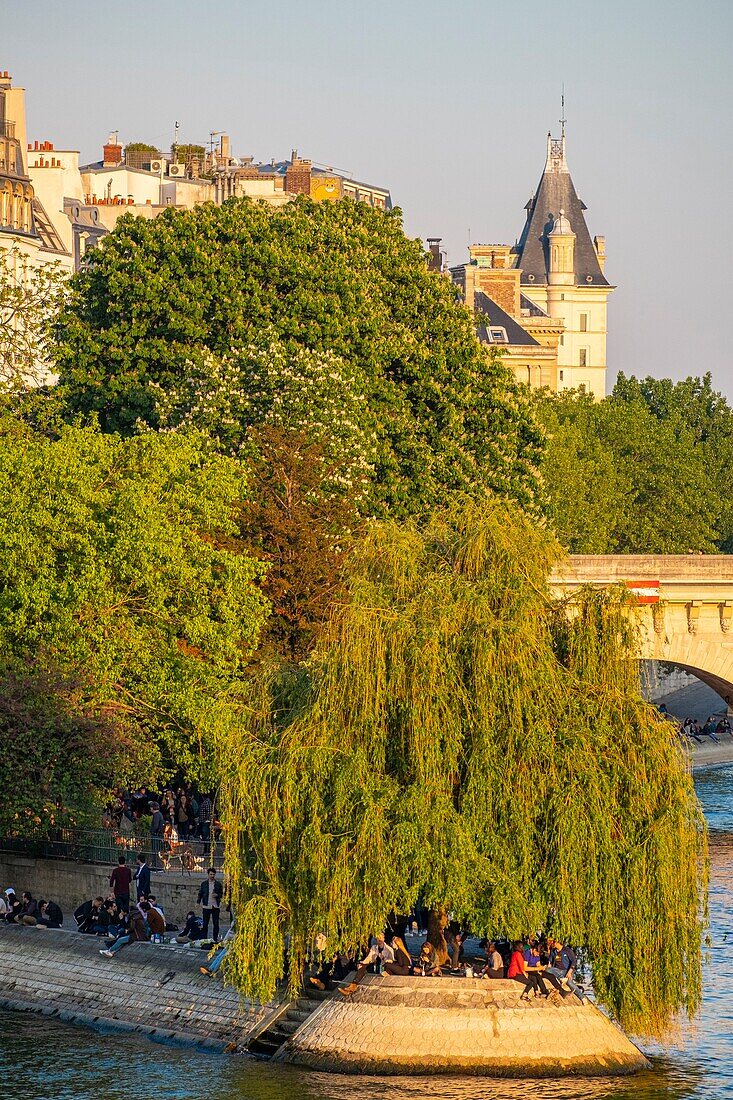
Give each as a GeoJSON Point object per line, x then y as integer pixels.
{"type": "Point", "coordinates": [176, 169]}
{"type": "Point", "coordinates": [157, 166]}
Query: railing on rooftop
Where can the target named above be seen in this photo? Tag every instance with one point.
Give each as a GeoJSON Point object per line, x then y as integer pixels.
{"type": "Point", "coordinates": [106, 845]}
{"type": "Point", "coordinates": [7, 128]}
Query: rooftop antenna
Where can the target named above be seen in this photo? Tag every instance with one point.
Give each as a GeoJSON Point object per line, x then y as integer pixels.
{"type": "Point", "coordinates": [563, 120]}
{"type": "Point", "coordinates": [175, 139]}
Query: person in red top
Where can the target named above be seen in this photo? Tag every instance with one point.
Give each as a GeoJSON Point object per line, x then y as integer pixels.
{"type": "Point", "coordinates": [120, 880]}
{"type": "Point", "coordinates": [518, 969]}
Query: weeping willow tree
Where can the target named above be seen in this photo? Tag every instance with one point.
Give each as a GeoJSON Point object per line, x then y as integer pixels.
{"type": "Point", "coordinates": [461, 737]}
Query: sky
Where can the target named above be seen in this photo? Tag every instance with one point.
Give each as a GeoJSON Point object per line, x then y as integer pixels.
{"type": "Point", "coordinates": [447, 103]}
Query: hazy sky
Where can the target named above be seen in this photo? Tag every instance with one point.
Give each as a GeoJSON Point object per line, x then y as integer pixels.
{"type": "Point", "coordinates": [448, 103]}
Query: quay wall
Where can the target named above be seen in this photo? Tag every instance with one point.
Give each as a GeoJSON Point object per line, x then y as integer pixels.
{"type": "Point", "coordinates": [70, 883]}
{"type": "Point", "coordinates": [150, 988]}
{"type": "Point", "coordinates": [408, 1025]}
{"type": "Point", "coordinates": [391, 1025]}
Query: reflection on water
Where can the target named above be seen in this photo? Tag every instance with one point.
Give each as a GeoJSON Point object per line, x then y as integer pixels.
{"type": "Point", "coordinates": [40, 1058]}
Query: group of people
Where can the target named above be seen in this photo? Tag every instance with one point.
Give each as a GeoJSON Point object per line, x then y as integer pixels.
{"type": "Point", "coordinates": [29, 911]}
{"type": "Point", "coordinates": [145, 919]}
{"type": "Point", "coordinates": [543, 966]}
{"type": "Point", "coordinates": [713, 729]}
{"type": "Point", "coordinates": [183, 814]}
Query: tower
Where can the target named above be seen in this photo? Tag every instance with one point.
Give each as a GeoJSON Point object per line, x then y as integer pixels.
{"type": "Point", "coordinates": [560, 268]}
{"type": "Point", "coordinates": [562, 273]}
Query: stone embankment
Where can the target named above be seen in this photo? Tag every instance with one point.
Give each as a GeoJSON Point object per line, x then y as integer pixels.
{"type": "Point", "coordinates": [422, 1025]}
{"type": "Point", "coordinates": [150, 988]}
{"type": "Point", "coordinates": [70, 883]}
{"type": "Point", "coordinates": [390, 1025]}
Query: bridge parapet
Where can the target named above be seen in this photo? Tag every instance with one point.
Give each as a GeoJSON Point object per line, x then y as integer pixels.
{"type": "Point", "coordinates": [684, 606]}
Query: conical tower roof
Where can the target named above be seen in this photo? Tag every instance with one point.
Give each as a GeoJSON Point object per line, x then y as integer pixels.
{"type": "Point", "coordinates": [556, 192]}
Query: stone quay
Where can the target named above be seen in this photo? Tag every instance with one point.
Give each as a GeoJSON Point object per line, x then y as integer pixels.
{"type": "Point", "coordinates": [391, 1025]}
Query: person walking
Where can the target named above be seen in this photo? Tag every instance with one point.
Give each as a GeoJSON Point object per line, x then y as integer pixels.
{"type": "Point", "coordinates": [210, 894]}
{"type": "Point", "coordinates": [142, 878]}
{"type": "Point", "coordinates": [120, 881]}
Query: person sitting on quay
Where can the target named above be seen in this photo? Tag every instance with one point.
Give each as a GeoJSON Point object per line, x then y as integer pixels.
{"type": "Point", "coordinates": [563, 964]}
{"type": "Point", "coordinates": [219, 955]}
{"type": "Point", "coordinates": [332, 971]}
{"type": "Point", "coordinates": [193, 929]}
{"type": "Point", "coordinates": [49, 915]}
{"type": "Point", "coordinates": [28, 910]}
{"type": "Point", "coordinates": [136, 932]}
{"type": "Point", "coordinates": [379, 954]}
{"type": "Point", "coordinates": [494, 963]}
{"type": "Point", "coordinates": [429, 962]}
{"type": "Point", "coordinates": [13, 906]}
{"type": "Point", "coordinates": [526, 973]}
{"type": "Point", "coordinates": [723, 726]}
{"type": "Point", "coordinates": [154, 902]}
{"type": "Point", "coordinates": [402, 964]}
{"type": "Point", "coordinates": [708, 730]}
{"type": "Point", "coordinates": [154, 921]}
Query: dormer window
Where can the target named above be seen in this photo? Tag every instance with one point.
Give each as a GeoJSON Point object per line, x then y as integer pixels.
{"type": "Point", "coordinates": [498, 336]}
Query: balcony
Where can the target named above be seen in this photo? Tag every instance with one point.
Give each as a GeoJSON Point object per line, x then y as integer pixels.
{"type": "Point", "coordinates": [7, 128]}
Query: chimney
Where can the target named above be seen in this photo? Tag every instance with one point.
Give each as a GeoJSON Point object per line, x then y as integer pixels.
{"type": "Point", "coordinates": [112, 152]}
{"type": "Point", "coordinates": [224, 148]}
{"type": "Point", "coordinates": [298, 175]}
{"type": "Point", "coordinates": [435, 263]}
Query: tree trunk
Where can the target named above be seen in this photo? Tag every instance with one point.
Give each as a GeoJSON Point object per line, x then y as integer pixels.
{"type": "Point", "coordinates": [437, 921]}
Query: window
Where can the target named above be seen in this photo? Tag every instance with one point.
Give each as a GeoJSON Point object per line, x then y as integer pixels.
{"type": "Point", "coordinates": [562, 340]}
{"type": "Point", "coordinates": [562, 375]}
{"type": "Point", "coordinates": [584, 322]}
{"type": "Point", "coordinates": [583, 357]}
{"type": "Point", "coordinates": [582, 387]}
{"type": "Point", "coordinates": [498, 336]}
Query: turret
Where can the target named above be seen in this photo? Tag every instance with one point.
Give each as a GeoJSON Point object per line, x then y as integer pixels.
{"type": "Point", "coordinates": [561, 265]}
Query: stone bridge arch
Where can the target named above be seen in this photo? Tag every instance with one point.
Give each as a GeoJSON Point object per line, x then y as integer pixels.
{"type": "Point", "coordinates": [684, 610]}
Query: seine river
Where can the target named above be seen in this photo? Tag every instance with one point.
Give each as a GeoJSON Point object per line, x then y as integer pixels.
{"type": "Point", "coordinates": [45, 1060]}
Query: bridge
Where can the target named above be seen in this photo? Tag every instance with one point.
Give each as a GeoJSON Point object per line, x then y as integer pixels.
{"type": "Point", "coordinates": [684, 607]}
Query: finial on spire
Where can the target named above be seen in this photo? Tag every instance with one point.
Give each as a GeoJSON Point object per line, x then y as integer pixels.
{"type": "Point", "coordinates": [563, 120]}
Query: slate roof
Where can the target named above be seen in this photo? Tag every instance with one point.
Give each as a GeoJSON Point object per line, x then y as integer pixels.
{"type": "Point", "coordinates": [499, 319]}
{"type": "Point", "coordinates": [556, 192]}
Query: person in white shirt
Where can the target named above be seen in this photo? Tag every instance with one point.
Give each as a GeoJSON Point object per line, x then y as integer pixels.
{"type": "Point", "coordinates": [495, 963]}
{"type": "Point", "coordinates": [381, 953]}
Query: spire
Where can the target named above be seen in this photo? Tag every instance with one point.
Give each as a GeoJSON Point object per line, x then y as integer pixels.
{"type": "Point", "coordinates": [555, 194]}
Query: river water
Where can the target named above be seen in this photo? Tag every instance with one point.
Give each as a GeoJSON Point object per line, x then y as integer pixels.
{"type": "Point", "coordinates": [44, 1060]}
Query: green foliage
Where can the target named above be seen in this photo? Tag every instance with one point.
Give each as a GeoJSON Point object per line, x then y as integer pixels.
{"type": "Point", "coordinates": [119, 601]}
{"type": "Point", "coordinates": [57, 754]}
{"type": "Point", "coordinates": [703, 412]}
{"type": "Point", "coordinates": [313, 394]}
{"type": "Point", "coordinates": [461, 737]}
{"type": "Point", "coordinates": [334, 280]}
{"type": "Point", "coordinates": [621, 479]}
{"type": "Point", "coordinates": [294, 521]}
{"type": "Point", "coordinates": [29, 299]}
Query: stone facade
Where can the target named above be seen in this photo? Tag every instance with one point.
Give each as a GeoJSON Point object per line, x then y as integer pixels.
{"type": "Point", "coordinates": [423, 1025]}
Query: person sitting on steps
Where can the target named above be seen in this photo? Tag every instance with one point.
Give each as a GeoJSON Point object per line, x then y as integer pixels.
{"type": "Point", "coordinates": [380, 953]}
